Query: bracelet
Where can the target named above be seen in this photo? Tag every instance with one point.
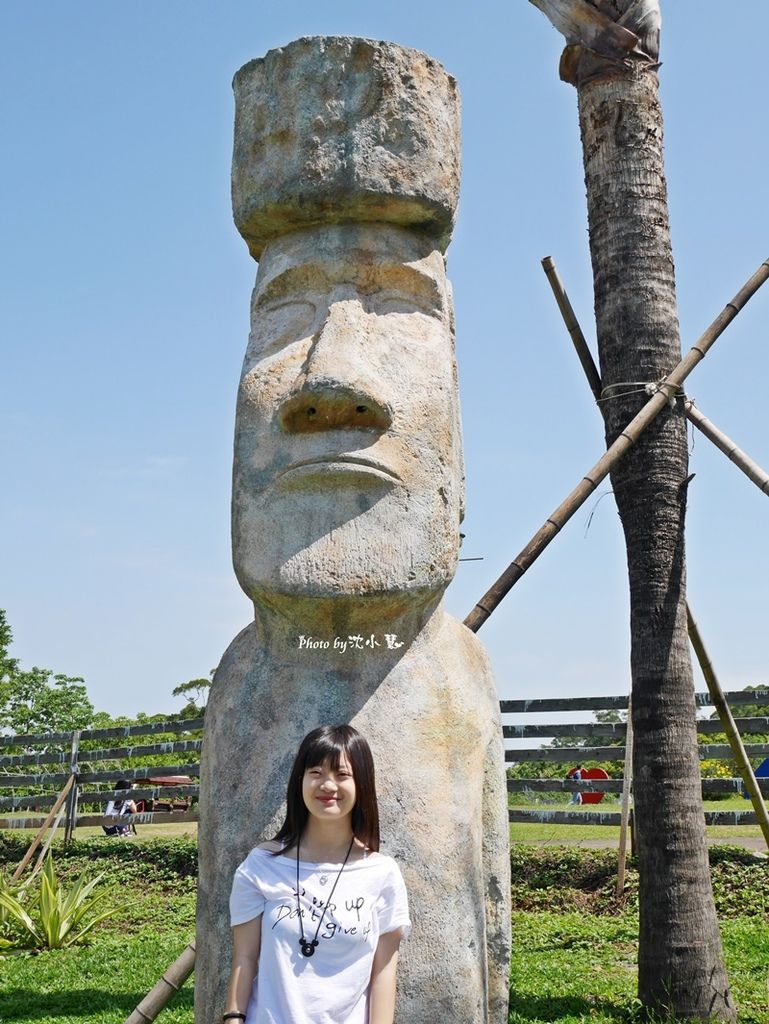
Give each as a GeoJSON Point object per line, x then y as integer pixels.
{"type": "Point", "coordinates": [234, 1016]}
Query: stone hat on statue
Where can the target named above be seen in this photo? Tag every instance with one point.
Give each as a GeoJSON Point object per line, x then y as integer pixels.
{"type": "Point", "coordinates": [335, 129]}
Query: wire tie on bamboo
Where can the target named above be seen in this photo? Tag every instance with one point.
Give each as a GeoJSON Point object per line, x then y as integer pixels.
{"type": "Point", "coordinates": [635, 386]}
{"type": "Point", "coordinates": [649, 388]}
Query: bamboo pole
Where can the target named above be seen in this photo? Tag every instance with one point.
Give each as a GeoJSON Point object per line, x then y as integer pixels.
{"type": "Point", "coordinates": [572, 326]}
{"type": "Point", "coordinates": [732, 733]}
{"type": "Point", "coordinates": [41, 831]}
{"type": "Point", "coordinates": [161, 994]}
{"type": "Point", "coordinates": [714, 687]}
{"type": "Point", "coordinates": [47, 843]}
{"type": "Point", "coordinates": [627, 778]}
{"type": "Point", "coordinates": [667, 391]}
{"type": "Point", "coordinates": [742, 461]}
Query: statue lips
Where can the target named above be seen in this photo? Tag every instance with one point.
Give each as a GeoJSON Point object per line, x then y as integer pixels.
{"type": "Point", "coordinates": [337, 466]}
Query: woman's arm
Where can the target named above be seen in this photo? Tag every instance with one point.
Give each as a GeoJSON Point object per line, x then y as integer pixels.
{"type": "Point", "coordinates": [382, 991]}
{"type": "Point", "coordinates": [246, 942]}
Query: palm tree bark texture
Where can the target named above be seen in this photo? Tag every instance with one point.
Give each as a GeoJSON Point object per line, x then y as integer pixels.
{"type": "Point", "coordinates": [611, 58]}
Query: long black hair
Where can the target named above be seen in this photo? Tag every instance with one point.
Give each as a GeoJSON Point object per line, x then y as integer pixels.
{"type": "Point", "coordinates": [331, 743]}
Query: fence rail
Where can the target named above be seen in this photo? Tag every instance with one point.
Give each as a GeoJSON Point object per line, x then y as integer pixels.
{"type": "Point", "coordinates": [707, 752]}
{"type": "Point", "coordinates": [613, 817]}
{"type": "Point", "coordinates": [710, 787]}
{"type": "Point", "coordinates": [45, 787]}
{"type": "Point", "coordinates": [573, 755]}
{"type": "Point", "coordinates": [31, 791]}
{"type": "Point", "coordinates": [13, 803]}
{"type": "Point", "coordinates": [114, 732]}
{"type": "Point", "coordinates": [113, 754]}
{"type": "Point", "coordinates": [617, 730]}
{"type": "Point", "coordinates": [541, 704]}
{"type": "Point", "coordinates": [59, 778]}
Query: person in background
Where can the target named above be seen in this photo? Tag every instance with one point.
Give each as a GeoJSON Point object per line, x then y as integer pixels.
{"type": "Point", "coordinates": [117, 808]}
{"type": "Point", "coordinates": [576, 773]}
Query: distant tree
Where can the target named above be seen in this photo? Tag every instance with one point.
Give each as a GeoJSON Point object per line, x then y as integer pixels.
{"type": "Point", "coordinates": [8, 665]}
{"type": "Point", "coordinates": [38, 700]}
{"type": "Point", "coordinates": [196, 691]}
{"type": "Point", "coordinates": [611, 715]}
{"type": "Point", "coordinates": [749, 710]}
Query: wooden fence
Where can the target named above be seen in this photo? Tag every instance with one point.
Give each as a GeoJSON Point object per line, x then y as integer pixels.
{"type": "Point", "coordinates": [67, 755]}
{"type": "Point", "coordinates": [598, 731]}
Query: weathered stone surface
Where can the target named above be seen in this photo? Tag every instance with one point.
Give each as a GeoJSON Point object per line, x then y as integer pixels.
{"type": "Point", "coordinates": [429, 710]}
{"type": "Point", "coordinates": [348, 462]}
{"type": "Point", "coordinates": [332, 128]}
{"type": "Point", "coordinates": [347, 500]}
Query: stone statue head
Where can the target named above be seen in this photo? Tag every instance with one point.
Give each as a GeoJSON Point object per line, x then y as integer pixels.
{"type": "Point", "coordinates": [348, 474]}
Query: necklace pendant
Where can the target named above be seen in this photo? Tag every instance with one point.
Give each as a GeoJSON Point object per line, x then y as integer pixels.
{"type": "Point", "coordinates": [307, 946]}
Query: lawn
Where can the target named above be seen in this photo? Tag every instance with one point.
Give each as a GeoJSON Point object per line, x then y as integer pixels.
{"type": "Point", "coordinates": [572, 969]}
{"type": "Point", "coordinates": [574, 941]}
{"type": "Point", "coordinates": [152, 883]}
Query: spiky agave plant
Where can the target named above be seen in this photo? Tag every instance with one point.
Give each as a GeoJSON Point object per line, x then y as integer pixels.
{"type": "Point", "coordinates": [54, 918]}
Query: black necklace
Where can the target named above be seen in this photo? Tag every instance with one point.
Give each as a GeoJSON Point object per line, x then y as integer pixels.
{"type": "Point", "coordinates": [307, 946]}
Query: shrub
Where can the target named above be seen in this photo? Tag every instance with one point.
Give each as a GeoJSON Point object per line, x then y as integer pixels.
{"type": "Point", "coordinates": [177, 857]}
{"type": "Point", "coordinates": [50, 918]}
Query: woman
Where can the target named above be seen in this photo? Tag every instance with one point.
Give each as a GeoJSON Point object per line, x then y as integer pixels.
{"type": "Point", "coordinates": [318, 913]}
{"type": "Point", "coordinates": [117, 808]}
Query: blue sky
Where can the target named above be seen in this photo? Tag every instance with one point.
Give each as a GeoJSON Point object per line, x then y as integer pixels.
{"type": "Point", "coordinates": [124, 317]}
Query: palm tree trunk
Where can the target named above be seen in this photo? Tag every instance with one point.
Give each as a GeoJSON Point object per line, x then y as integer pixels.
{"type": "Point", "coordinates": [680, 963]}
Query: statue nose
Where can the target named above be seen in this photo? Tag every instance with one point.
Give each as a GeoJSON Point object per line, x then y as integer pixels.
{"type": "Point", "coordinates": [331, 405]}
{"type": "Point", "coordinates": [339, 389]}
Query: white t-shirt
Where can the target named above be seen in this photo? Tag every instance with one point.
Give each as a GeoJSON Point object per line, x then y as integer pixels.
{"type": "Point", "coordinates": [330, 987]}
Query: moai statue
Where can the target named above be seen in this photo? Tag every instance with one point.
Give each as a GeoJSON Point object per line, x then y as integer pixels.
{"type": "Point", "coordinates": [347, 500]}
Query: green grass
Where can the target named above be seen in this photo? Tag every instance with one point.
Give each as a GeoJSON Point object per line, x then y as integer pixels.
{"type": "Point", "coordinates": [577, 969]}
{"type": "Point", "coordinates": [153, 885]}
{"type": "Point", "coordinates": [571, 968]}
{"type": "Point", "coordinates": [574, 942]}
{"type": "Point", "coordinates": [98, 984]}
{"type": "Point", "coordinates": [171, 830]}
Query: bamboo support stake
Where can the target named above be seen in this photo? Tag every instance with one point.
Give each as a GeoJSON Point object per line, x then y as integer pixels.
{"type": "Point", "coordinates": [625, 815]}
{"type": "Point", "coordinates": [572, 326]}
{"type": "Point", "coordinates": [750, 468]}
{"type": "Point", "coordinates": [47, 843]}
{"type": "Point", "coordinates": [162, 993]}
{"type": "Point", "coordinates": [41, 831]}
{"type": "Point", "coordinates": [714, 687]}
{"type": "Point", "coordinates": [667, 391]}
{"type": "Point", "coordinates": [732, 733]}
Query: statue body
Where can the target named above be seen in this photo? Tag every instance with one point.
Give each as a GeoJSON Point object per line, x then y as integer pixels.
{"type": "Point", "coordinates": [347, 499]}
{"type": "Point", "coordinates": [430, 718]}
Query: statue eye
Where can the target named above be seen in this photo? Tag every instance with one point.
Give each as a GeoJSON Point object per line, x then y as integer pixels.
{"type": "Point", "coordinates": [278, 324]}
{"type": "Point", "coordinates": [405, 304]}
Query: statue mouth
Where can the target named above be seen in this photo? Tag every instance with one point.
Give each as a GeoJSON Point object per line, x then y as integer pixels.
{"type": "Point", "coordinates": [339, 465]}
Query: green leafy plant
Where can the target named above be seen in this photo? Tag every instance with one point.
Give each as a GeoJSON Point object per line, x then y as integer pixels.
{"type": "Point", "coordinates": [53, 918]}
{"type": "Point", "coordinates": [8, 931]}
